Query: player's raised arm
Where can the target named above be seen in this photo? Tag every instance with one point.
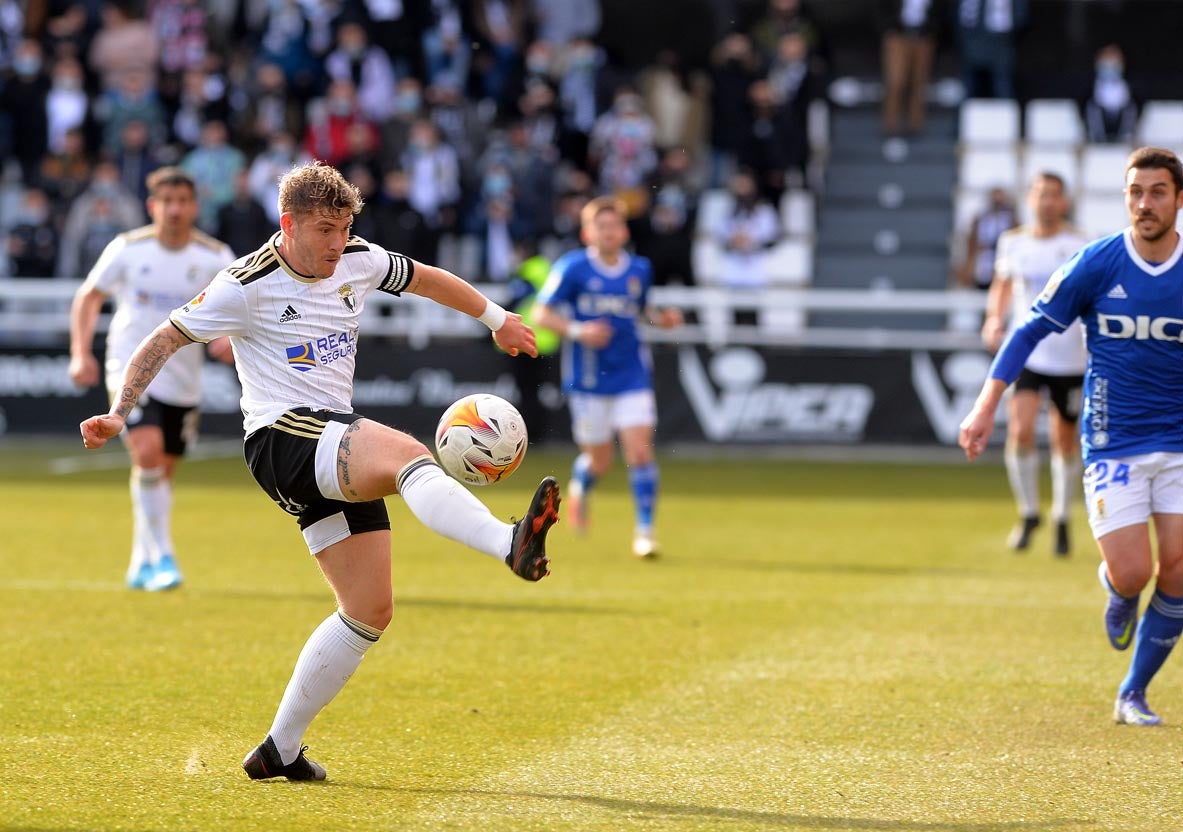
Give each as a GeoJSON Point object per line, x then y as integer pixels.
{"type": "Point", "coordinates": [142, 367]}
{"type": "Point", "coordinates": [509, 331]}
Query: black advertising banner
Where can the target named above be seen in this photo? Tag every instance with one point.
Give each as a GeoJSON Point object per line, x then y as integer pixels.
{"type": "Point", "coordinates": [729, 395]}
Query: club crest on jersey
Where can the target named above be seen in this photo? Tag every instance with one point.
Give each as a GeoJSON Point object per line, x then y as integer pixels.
{"type": "Point", "coordinates": [195, 302]}
{"type": "Point", "coordinates": [348, 297]}
{"type": "Point", "coordinates": [301, 357]}
{"type": "Point", "coordinates": [634, 286]}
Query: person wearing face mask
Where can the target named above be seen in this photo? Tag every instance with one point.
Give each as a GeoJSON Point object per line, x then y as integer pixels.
{"type": "Point", "coordinates": [32, 243]}
{"type": "Point", "coordinates": [23, 99]}
{"type": "Point", "coordinates": [1111, 109]}
{"type": "Point", "coordinates": [367, 67]}
{"type": "Point", "coordinates": [266, 169]}
{"type": "Point", "coordinates": [67, 104]}
{"type": "Point", "coordinates": [119, 211]}
{"type": "Point", "coordinates": [330, 120]}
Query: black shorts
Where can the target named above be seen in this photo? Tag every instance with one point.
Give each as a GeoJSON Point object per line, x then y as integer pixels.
{"type": "Point", "coordinates": [283, 463]}
{"type": "Point", "coordinates": [179, 424]}
{"type": "Point", "coordinates": [1065, 392]}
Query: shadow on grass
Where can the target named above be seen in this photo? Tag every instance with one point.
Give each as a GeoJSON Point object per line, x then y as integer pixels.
{"type": "Point", "coordinates": [688, 810]}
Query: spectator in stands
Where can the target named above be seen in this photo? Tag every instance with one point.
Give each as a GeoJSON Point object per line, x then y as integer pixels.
{"type": "Point", "coordinates": [136, 158]}
{"type": "Point", "coordinates": [580, 66]}
{"type": "Point", "coordinates": [910, 29]}
{"type": "Point", "coordinates": [735, 66]}
{"type": "Point", "coordinates": [532, 176]}
{"type": "Point", "coordinates": [132, 98]}
{"type": "Point", "coordinates": [266, 169]}
{"type": "Point", "coordinates": [977, 269]}
{"type": "Point", "coordinates": [330, 121]}
{"type": "Point", "coordinates": [202, 99]}
{"type": "Point", "coordinates": [408, 108]}
{"type": "Point", "coordinates": [180, 27]}
{"type": "Point", "coordinates": [286, 41]}
{"type": "Point", "coordinates": [125, 47]}
{"type": "Point", "coordinates": [399, 227]}
{"type": "Point", "coordinates": [362, 175]}
{"type": "Point", "coordinates": [214, 165]}
{"type": "Point", "coordinates": [445, 45]}
{"type": "Point", "coordinates": [367, 67]}
{"type": "Point", "coordinates": [665, 232]}
{"type": "Point", "coordinates": [23, 99]}
{"type": "Point", "coordinates": [66, 174]}
{"type": "Point", "coordinates": [67, 105]}
{"type": "Point", "coordinates": [32, 245]}
{"type": "Point", "coordinates": [986, 36]}
{"type": "Point", "coordinates": [621, 150]}
{"type": "Point", "coordinates": [765, 146]}
{"type": "Point", "coordinates": [562, 21]}
{"type": "Point", "coordinates": [271, 110]}
{"type": "Point", "coordinates": [746, 234]}
{"type": "Point", "coordinates": [243, 225]}
{"type": "Point", "coordinates": [500, 30]}
{"type": "Point", "coordinates": [671, 97]}
{"type": "Point", "coordinates": [784, 16]}
{"type": "Point", "coordinates": [459, 124]}
{"type": "Point", "coordinates": [540, 119]}
{"type": "Point", "coordinates": [435, 179]}
{"type": "Point", "coordinates": [1111, 109]}
{"type": "Point", "coordinates": [104, 209]}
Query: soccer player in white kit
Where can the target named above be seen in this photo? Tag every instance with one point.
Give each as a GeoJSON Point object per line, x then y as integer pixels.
{"type": "Point", "coordinates": [292, 311]}
{"type": "Point", "coordinates": [1025, 258]}
{"type": "Point", "coordinates": [150, 271]}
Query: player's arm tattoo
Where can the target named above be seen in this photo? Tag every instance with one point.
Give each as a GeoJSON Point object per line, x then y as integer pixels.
{"type": "Point", "coordinates": [344, 451]}
{"type": "Point", "coordinates": [144, 365]}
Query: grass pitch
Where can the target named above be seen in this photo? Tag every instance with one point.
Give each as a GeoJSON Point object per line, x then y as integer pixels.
{"type": "Point", "coordinates": [822, 647]}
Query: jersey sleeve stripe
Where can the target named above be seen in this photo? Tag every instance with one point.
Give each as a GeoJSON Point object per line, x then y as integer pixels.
{"type": "Point", "coordinates": [186, 332]}
{"type": "Point", "coordinates": [399, 276]}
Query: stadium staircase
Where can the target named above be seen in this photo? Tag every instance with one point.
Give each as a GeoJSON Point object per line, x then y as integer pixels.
{"type": "Point", "coordinates": [885, 220]}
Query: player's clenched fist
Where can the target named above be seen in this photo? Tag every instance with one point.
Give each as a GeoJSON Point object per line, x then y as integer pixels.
{"type": "Point", "coordinates": [98, 429]}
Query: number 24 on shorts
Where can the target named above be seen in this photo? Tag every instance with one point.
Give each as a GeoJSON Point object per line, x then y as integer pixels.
{"type": "Point", "coordinates": [1101, 475]}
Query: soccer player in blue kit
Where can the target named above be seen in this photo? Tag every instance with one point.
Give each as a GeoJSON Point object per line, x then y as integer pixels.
{"type": "Point", "coordinates": [1128, 290]}
{"type": "Point", "coordinates": [593, 299]}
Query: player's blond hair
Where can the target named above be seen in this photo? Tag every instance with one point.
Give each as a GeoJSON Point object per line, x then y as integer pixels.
{"type": "Point", "coordinates": [317, 188]}
{"type": "Point", "coordinates": [599, 205]}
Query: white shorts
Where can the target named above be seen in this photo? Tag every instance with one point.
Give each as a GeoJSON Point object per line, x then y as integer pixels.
{"type": "Point", "coordinates": [595, 419]}
{"type": "Point", "coordinates": [1126, 492]}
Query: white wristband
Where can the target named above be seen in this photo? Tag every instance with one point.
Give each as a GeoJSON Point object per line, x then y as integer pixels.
{"type": "Point", "coordinates": [494, 316]}
{"type": "Point", "coordinates": [574, 330]}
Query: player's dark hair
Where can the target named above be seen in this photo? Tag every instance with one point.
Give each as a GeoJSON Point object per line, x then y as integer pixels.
{"type": "Point", "coordinates": [317, 188]}
{"type": "Point", "coordinates": [167, 177]}
{"type": "Point", "coordinates": [1052, 177]}
{"type": "Point", "coordinates": [1155, 158]}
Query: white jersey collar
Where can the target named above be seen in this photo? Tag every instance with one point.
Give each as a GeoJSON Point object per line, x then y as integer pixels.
{"type": "Point", "coordinates": [610, 271]}
{"type": "Point", "coordinates": [1128, 237]}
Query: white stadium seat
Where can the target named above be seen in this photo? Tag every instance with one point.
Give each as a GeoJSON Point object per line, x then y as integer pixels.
{"type": "Point", "coordinates": [1053, 121]}
{"type": "Point", "coordinates": [1100, 214]}
{"type": "Point", "coordinates": [798, 214]}
{"type": "Point", "coordinates": [981, 169]}
{"type": "Point", "coordinates": [988, 122]}
{"type": "Point", "coordinates": [713, 206]}
{"type": "Point", "coordinates": [1161, 124]}
{"type": "Point", "coordinates": [1060, 161]}
{"type": "Point", "coordinates": [1102, 167]}
{"type": "Point", "coordinates": [789, 263]}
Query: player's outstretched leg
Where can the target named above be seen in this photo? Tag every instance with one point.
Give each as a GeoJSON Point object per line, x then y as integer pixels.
{"type": "Point", "coordinates": [643, 481]}
{"type": "Point", "coordinates": [527, 553]}
{"type": "Point", "coordinates": [1120, 613]}
{"type": "Point", "coordinates": [264, 763]}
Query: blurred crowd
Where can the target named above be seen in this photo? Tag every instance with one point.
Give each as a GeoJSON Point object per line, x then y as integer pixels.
{"type": "Point", "coordinates": [478, 126]}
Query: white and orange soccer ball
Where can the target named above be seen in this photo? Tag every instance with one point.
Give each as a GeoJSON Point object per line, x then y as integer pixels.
{"type": "Point", "coordinates": [481, 439]}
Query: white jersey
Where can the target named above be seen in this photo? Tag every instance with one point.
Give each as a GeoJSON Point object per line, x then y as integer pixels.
{"type": "Point", "coordinates": [1027, 262]}
{"type": "Point", "coordinates": [147, 281]}
{"type": "Point", "coordinates": [294, 337]}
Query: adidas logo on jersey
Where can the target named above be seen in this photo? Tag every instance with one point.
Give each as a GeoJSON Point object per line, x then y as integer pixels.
{"type": "Point", "coordinates": [290, 314]}
{"type": "Point", "coordinates": [1117, 292]}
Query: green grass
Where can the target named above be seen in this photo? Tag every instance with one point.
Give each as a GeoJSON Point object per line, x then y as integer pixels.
{"type": "Point", "coordinates": [824, 646]}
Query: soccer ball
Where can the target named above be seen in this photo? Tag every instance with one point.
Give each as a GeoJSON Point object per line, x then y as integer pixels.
{"type": "Point", "coordinates": [481, 439]}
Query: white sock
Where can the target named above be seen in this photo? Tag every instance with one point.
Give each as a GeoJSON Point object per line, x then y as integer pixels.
{"type": "Point", "coordinates": [1066, 485]}
{"type": "Point", "coordinates": [156, 499]}
{"type": "Point", "coordinates": [1022, 468]}
{"type": "Point", "coordinates": [446, 507]}
{"type": "Point", "coordinates": [331, 654]}
{"type": "Point", "coordinates": [142, 548]}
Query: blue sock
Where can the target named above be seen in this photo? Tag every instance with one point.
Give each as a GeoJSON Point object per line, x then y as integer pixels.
{"type": "Point", "coordinates": [582, 477]}
{"type": "Point", "coordinates": [643, 479]}
{"type": "Point", "coordinates": [1158, 631]}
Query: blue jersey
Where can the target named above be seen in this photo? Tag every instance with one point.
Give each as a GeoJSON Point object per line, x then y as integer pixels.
{"type": "Point", "coordinates": [590, 290]}
{"type": "Point", "coordinates": [1133, 317]}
